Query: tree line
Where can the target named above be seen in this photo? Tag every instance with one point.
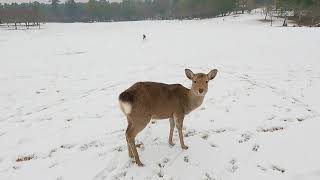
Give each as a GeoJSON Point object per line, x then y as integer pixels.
{"type": "Point", "coordinates": [103, 10]}
{"type": "Point", "coordinates": [129, 10]}
{"type": "Point", "coordinates": [29, 14]}
{"type": "Point", "coordinates": [304, 12]}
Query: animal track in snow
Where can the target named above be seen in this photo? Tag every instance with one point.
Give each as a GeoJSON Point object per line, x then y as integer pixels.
{"type": "Point", "coordinates": [208, 176]}
{"type": "Point", "coordinates": [67, 146]}
{"type": "Point", "coordinates": [119, 175]}
{"type": "Point", "coordinates": [261, 168]}
{"type": "Point", "coordinates": [26, 158]}
{"type": "Point", "coordinates": [205, 136]}
{"type": "Point", "coordinates": [91, 144]}
{"type": "Point", "coordinates": [245, 137]}
{"type": "Point", "coordinates": [233, 166]}
{"type": "Point", "coordinates": [273, 167]}
{"type": "Point", "coordinates": [277, 168]}
{"type": "Point", "coordinates": [160, 174]}
{"type": "Point", "coordinates": [189, 133]}
{"type": "Point", "coordinates": [119, 148]}
{"type": "Point", "coordinates": [271, 129]}
{"type": "Point", "coordinates": [64, 146]}
{"type": "Point", "coordinates": [256, 147]}
{"type": "Point", "coordinates": [186, 159]}
{"type": "Point", "coordinates": [163, 163]}
{"type": "Point", "coordinates": [53, 165]}
{"type": "Point", "coordinates": [213, 145]}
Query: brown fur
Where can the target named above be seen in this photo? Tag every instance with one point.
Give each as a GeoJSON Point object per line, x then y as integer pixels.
{"type": "Point", "coordinates": [151, 100]}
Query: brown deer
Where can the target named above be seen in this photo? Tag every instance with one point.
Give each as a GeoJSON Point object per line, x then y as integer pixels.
{"type": "Point", "coordinates": [150, 100]}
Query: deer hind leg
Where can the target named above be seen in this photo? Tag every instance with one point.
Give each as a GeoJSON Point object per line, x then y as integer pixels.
{"type": "Point", "coordinates": [131, 134]}
{"type": "Point", "coordinates": [129, 149]}
{"type": "Point", "coordinates": [172, 124]}
{"type": "Point", "coordinates": [178, 119]}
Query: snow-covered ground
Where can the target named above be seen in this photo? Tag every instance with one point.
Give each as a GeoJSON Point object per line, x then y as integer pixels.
{"type": "Point", "coordinates": [59, 115]}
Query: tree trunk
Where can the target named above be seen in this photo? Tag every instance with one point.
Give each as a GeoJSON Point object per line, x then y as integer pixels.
{"type": "Point", "coordinates": [312, 21]}
{"type": "Point", "coordinates": [265, 17]}
{"type": "Point", "coordinates": [285, 22]}
{"type": "Point", "coordinates": [300, 17]}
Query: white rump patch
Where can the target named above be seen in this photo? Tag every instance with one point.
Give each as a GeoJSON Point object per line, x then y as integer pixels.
{"type": "Point", "coordinates": [126, 107]}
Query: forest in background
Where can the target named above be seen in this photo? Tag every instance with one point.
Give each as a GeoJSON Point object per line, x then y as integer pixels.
{"type": "Point", "coordinates": [303, 11]}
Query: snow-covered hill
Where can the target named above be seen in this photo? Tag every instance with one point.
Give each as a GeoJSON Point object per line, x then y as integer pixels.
{"type": "Point", "coordinates": [59, 115]}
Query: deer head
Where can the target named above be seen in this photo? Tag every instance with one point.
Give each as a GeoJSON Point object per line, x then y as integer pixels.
{"type": "Point", "coordinates": [200, 81]}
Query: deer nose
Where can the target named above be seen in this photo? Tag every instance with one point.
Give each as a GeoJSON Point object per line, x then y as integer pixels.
{"type": "Point", "coordinates": [201, 90]}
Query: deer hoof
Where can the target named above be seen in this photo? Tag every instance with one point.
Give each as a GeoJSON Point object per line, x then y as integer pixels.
{"type": "Point", "coordinates": [171, 144]}
{"type": "Point", "coordinates": [140, 164]}
{"type": "Point", "coordinates": [140, 145]}
{"type": "Point", "coordinates": [184, 147]}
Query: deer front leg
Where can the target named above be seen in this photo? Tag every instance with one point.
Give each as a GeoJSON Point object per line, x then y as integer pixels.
{"type": "Point", "coordinates": [171, 131]}
{"type": "Point", "coordinates": [178, 119]}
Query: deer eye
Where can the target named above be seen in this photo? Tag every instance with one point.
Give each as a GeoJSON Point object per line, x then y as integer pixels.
{"type": "Point", "coordinates": [195, 81]}
{"type": "Point", "coordinates": [207, 82]}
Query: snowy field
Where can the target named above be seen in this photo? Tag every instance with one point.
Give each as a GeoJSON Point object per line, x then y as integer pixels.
{"type": "Point", "coordinates": [59, 115]}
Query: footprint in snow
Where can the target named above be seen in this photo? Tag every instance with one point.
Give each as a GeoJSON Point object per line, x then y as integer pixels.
{"type": "Point", "coordinates": [119, 148]}
{"type": "Point", "coordinates": [245, 137]}
{"type": "Point", "coordinates": [205, 136]}
{"type": "Point", "coordinates": [271, 129]}
{"type": "Point", "coordinates": [120, 175]}
{"type": "Point", "coordinates": [160, 174]}
{"type": "Point", "coordinates": [69, 119]}
{"type": "Point", "coordinates": [233, 167]}
{"type": "Point", "coordinates": [53, 165]}
{"type": "Point", "coordinates": [208, 176]}
{"type": "Point", "coordinates": [273, 167]}
{"type": "Point", "coordinates": [90, 145]}
{"type": "Point", "coordinates": [16, 167]}
{"type": "Point", "coordinates": [67, 146]}
{"type": "Point", "coordinates": [213, 145]}
{"type": "Point", "coordinates": [26, 158]}
{"type": "Point", "coordinates": [271, 117]}
{"type": "Point", "coordinates": [163, 162]}
{"type": "Point", "coordinates": [277, 168]}
{"type": "Point", "coordinates": [186, 159]}
{"type": "Point", "coordinates": [190, 133]}
{"type": "Point", "coordinates": [256, 147]}
{"type": "Point", "coordinates": [261, 168]}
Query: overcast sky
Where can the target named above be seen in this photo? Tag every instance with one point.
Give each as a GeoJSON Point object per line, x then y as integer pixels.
{"type": "Point", "coordinates": [44, 1]}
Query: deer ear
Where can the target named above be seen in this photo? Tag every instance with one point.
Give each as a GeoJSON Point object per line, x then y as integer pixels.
{"type": "Point", "coordinates": [212, 74]}
{"type": "Point", "coordinates": [189, 73]}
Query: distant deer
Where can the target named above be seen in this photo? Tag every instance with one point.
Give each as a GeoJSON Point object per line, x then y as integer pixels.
{"type": "Point", "coordinates": [144, 37]}
{"type": "Point", "coordinates": [150, 100]}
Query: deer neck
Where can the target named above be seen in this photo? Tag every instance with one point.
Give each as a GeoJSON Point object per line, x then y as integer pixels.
{"type": "Point", "coordinates": [194, 101]}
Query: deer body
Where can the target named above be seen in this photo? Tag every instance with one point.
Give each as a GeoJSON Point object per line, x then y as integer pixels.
{"type": "Point", "coordinates": [150, 100]}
